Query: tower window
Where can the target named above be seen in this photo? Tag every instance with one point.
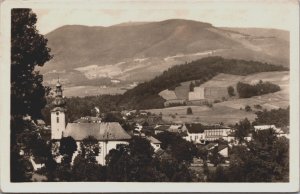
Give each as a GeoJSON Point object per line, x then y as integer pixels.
{"type": "Point", "coordinates": [57, 113]}
{"type": "Point", "coordinates": [57, 119]}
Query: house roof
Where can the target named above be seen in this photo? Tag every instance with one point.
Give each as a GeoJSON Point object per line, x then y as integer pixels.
{"type": "Point", "coordinates": [163, 127]}
{"type": "Point", "coordinates": [88, 119]}
{"type": "Point", "coordinates": [101, 131]}
{"type": "Point", "coordinates": [264, 127]}
{"type": "Point", "coordinates": [195, 127]}
{"type": "Point", "coordinates": [153, 140]}
{"type": "Point", "coordinates": [163, 154]}
{"type": "Point", "coordinates": [222, 147]}
{"type": "Point", "coordinates": [212, 127]}
{"type": "Point", "coordinates": [159, 152]}
{"type": "Point", "coordinates": [175, 128]}
{"type": "Point", "coordinates": [211, 145]}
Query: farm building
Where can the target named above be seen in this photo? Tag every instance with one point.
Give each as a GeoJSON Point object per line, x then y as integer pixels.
{"type": "Point", "coordinates": [175, 102]}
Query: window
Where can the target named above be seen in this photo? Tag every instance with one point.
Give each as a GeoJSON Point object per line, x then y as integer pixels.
{"type": "Point", "coordinates": [57, 113]}
{"type": "Point", "coordinates": [57, 119]}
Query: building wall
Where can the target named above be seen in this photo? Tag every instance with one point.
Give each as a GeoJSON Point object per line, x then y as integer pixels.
{"type": "Point", "coordinates": [172, 102]}
{"type": "Point", "coordinates": [224, 152]}
{"type": "Point", "coordinates": [58, 124]}
{"type": "Point", "coordinates": [195, 137]}
{"type": "Point", "coordinates": [214, 134]}
{"type": "Point", "coordinates": [155, 146]}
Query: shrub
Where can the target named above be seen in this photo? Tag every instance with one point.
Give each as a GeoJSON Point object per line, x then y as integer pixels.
{"type": "Point", "coordinates": [189, 111]}
{"type": "Point", "coordinates": [247, 90]}
{"type": "Point", "coordinates": [230, 90]}
{"type": "Point", "coordinates": [257, 106]}
{"type": "Point", "coordinates": [248, 108]}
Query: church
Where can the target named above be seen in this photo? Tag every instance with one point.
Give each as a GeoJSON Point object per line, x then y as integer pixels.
{"type": "Point", "coordinates": [108, 134]}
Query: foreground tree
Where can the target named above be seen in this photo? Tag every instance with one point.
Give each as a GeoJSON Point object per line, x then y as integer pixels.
{"type": "Point", "coordinates": [67, 148]}
{"type": "Point", "coordinates": [242, 130]}
{"type": "Point", "coordinates": [133, 162]}
{"type": "Point", "coordinates": [181, 150]}
{"type": "Point", "coordinates": [264, 159]}
{"type": "Point", "coordinates": [28, 50]}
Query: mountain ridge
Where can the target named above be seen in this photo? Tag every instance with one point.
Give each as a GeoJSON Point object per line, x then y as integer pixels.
{"type": "Point", "coordinates": [139, 52]}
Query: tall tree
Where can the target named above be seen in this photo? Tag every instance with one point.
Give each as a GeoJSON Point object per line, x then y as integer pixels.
{"type": "Point", "coordinates": [28, 50]}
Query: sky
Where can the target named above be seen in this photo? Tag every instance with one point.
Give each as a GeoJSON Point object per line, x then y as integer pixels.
{"type": "Point", "coordinates": [226, 13]}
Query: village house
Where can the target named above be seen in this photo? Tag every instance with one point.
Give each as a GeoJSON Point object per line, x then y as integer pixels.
{"type": "Point", "coordinates": [195, 133]}
{"type": "Point", "coordinates": [161, 128]}
{"type": "Point", "coordinates": [155, 143]}
{"type": "Point", "coordinates": [222, 148]}
{"type": "Point", "coordinates": [199, 133]}
{"type": "Point", "coordinates": [177, 128]}
{"type": "Point", "coordinates": [264, 127]}
{"type": "Point", "coordinates": [108, 134]}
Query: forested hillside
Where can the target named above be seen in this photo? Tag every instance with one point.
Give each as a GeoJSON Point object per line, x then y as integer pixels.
{"type": "Point", "coordinates": [145, 95]}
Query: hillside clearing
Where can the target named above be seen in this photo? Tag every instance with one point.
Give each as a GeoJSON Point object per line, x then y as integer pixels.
{"type": "Point", "coordinates": [204, 114]}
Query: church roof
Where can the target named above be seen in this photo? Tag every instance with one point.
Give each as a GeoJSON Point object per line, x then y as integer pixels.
{"type": "Point", "coordinates": [100, 131]}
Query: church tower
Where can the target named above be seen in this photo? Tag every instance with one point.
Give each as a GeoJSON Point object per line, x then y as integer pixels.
{"type": "Point", "coordinates": [58, 118]}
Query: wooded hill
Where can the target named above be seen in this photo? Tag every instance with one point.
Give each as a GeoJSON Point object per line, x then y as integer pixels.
{"type": "Point", "coordinates": [145, 95]}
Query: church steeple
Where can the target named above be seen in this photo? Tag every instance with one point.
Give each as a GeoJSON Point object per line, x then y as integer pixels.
{"type": "Point", "coordinates": [58, 118]}
{"type": "Point", "coordinates": [59, 101]}
{"type": "Point", "coordinates": [58, 89]}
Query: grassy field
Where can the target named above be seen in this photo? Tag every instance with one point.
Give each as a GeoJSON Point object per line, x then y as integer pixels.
{"type": "Point", "coordinates": [232, 111]}
{"type": "Point", "coordinates": [90, 91]}
{"type": "Point", "coordinates": [204, 114]}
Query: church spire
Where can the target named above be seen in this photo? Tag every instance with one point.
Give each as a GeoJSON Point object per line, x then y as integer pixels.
{"type": "Point", "coordinates": [58, 89]}
{"type": "Point", "coordinates": [59, 101]}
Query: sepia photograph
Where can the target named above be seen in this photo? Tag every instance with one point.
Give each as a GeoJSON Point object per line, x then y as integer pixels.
{"type": "Point", "coordinates": [99, 94]}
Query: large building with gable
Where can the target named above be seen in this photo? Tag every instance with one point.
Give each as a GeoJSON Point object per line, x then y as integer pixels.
{"type": "Point", "coordinates": [108, 134]}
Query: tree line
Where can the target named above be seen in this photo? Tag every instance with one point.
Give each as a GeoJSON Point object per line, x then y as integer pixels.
{"type": "Point", "coordinates": [247, 90]}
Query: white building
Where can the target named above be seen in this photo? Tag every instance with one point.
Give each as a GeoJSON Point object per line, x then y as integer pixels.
{"type": "Point", "coordinates": [215, 132]}
{"type": "Point", "coordinates": [195, 133]}
{"type": "Point", "coordinates": [279, 132]}
{"type": "Point", "coordinates": [264, 127]}
{"type": "Point", "coordinates": [155, 143]}
{"type": "Point", "coordinates": [109, 135]}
